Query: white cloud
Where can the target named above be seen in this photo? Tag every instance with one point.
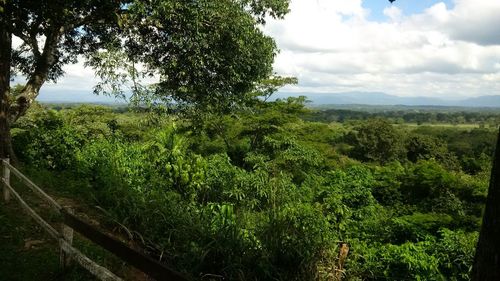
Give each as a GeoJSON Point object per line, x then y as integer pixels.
{"type": "Point", "coordinates": [332, 46]}
{"type": "Point", "coordinates": [77, 78]}
{"type": "Point", "coordinates": [475, 21]}
{"type": "Point", "coordinates": [393, 12]}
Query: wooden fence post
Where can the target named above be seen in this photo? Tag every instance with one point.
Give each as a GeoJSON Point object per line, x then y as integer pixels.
{"type": "Point", "coordinates": [6, 178]}
{"type": "Point", "coordinates": [67, 235]}
{"type": "Point", "coordinates": [339, 270]}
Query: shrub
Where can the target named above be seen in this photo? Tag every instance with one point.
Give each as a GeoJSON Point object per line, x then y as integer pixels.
{"type": "Point", "coordinates": [293, 239]}
{"type": "Point", "coordinates": [409, 261]}
{"type": "Point", "coordinates": [42, 139]}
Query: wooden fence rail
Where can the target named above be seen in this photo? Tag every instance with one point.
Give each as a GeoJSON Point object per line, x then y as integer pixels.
{"type": "Point", "coordinates": [71, 222]}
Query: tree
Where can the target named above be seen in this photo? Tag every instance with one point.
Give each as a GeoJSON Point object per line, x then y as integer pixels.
{"type": "Point", "coordinates": [425, 147]}
{"type": "Point", "coordinates": [376, 140]}
{"type": "Point", "coordinates": [206, 53]}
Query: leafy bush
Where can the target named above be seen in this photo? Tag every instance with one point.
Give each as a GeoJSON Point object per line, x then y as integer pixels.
{"type": "Point", "coordinates": [418, 227]}
{"type": "Point", "coordinates": [294, 238]}
{"type": "Point", "coordinates": [376, 140]}
{"type": "Point", "coordinates": [455, 251]}
{"type": "Point", "coordinates": [409, 261]}
{"type": "Point", "coordinates": [43, 139]}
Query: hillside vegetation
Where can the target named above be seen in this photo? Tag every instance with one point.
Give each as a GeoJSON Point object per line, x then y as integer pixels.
{"type": "Point", "coordinates": [267, 195]}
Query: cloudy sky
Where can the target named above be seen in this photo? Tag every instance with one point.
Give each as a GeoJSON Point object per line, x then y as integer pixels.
{"type": "Point", "coordinates": [448, 49]}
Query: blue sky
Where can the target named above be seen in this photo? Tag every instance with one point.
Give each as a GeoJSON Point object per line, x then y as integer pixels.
{"type": "Point", "coordinates": [445, 49]}
{"type": "Point", "coordinates": [409, 7]}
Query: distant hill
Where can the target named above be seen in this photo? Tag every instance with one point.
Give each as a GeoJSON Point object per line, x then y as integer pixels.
{"type": "Point", "coordinates": [76, 96]}
{"type": "Point", "coordinates": [378, 98]}
{"type": "Point", "coordinates": [483, 101]}
{"type": "Point", "coordinates": [318, 99]}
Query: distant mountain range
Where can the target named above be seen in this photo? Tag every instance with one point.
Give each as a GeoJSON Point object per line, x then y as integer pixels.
{"type": "Point", "coordinates": [347, 98]}
{"type": "Point", "coordinates": [377, 98]}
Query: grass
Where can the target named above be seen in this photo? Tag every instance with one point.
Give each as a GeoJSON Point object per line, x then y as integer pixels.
{"type": "Point", "coordinates": [27, 252]}
{"type": "Point", "coordinates": [19, 262]}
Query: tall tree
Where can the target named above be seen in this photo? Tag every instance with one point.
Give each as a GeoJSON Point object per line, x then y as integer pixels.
{"type": "Point", "coordinates": [5, 58]}
{"type": "Point", "coordinates": [206, 53]}
{"type": "Point", "coordinates": [376, 140]}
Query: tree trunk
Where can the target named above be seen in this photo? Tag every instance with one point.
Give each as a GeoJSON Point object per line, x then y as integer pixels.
{"type": "Point", "coordinates": [487, 259]}
{"type": "Point", "coordinates": [5, 63]}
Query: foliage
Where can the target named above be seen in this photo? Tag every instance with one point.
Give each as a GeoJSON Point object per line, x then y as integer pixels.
{"type": "Point", "coordinates": [43, 139]}
{"type": "Point", "coordinates": [225, 55]}
{"type": "Point", "coordinates": [245, 188]}
{"type": "Point", "coordinates": [376, 140]}
{"type": "Point", "coordinates": [456, 253]}
{"type": "Point", "coordinates": [295, 237]}
{"type": "Point", "coordinates": [395, 262]}
{"type": "Point", "coordinates": [429, 147]}
{"type": "Point", "coordinates": [265, 195]}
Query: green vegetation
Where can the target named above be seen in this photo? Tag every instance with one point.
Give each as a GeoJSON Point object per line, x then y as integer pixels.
{"type": "Point", "coordinates": [264, 194]}
{"type": "Point", "coordinates": [412, 115]}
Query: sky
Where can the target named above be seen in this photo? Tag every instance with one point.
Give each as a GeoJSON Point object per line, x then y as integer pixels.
{"type": "Point", "coordinates": [448, 49]}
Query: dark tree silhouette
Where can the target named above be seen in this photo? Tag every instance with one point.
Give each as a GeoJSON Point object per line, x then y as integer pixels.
{"type": "Point", "coordinates": [487, 259]}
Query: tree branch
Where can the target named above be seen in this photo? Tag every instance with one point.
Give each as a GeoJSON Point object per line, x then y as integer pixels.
{"type": "Point", "coordinates": [30, 41]}
{"type": "Point", "coordinates": [39, 75]}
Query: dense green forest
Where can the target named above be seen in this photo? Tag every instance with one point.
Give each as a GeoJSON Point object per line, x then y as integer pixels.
{"type": "Point", "coordinates": [269, 193]}
{"type": "Point", "coordinates": [484, 117]}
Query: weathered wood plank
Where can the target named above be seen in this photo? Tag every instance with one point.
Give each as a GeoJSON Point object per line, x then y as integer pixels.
{"type": "Point", "coordinates": [98, 271]}
{"type": "Point", "coordinates": [32, 213]}
{"type": "Point", "coordinates": [32, 186]}
{"type": "Point", "coordinates": [6, 177]}
{"type": "Point", "coordinates": [133, 257]}
{"type": "Point", "coordinates": [67, 235]}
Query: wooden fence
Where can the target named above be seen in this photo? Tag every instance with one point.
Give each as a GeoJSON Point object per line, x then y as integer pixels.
{"type": "Point", "coordinates": [70, 222]}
